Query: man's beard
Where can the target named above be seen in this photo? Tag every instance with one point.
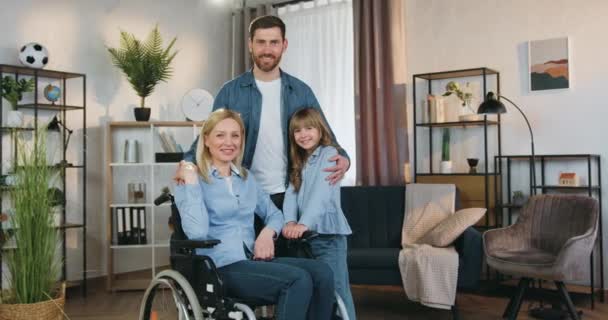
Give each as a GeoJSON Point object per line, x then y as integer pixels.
{"type": "Point", "coordinates": [266, 66]}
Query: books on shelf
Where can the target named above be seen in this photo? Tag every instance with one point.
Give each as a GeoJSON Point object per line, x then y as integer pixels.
{"type": "Point", "coordinates": [131, 227]}
{"type": "Point", "coordinates": [168, 142]}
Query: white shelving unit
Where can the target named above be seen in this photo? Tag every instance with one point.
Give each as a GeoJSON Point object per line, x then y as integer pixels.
{"type": "Point", "coordinates": [146, 258]}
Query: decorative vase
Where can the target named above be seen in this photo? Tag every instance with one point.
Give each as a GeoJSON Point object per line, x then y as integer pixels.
{"type": "Point", "coordinates": [142, 114]}
{"type": "Point", "coordinates": [466, 112]}
{"type": "Point", "coordinates": [472, 164]}
{"type": "Point", "coordinates": [436, 108]}
{"type": "Point", "coordinates": [14, 119]}
{"type": "Point", "coordinates": [446, 167]}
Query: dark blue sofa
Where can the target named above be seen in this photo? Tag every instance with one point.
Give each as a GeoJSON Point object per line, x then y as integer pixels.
{"type": "Point", "coordinates": [375, 215]}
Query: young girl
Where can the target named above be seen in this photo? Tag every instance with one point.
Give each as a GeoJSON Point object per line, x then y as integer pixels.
{"type": "Point", "coordinates": [311, 203]}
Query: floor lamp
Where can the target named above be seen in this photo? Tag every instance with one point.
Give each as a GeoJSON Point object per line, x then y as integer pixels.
{"type": "Point", "coordinates": [493, 106]}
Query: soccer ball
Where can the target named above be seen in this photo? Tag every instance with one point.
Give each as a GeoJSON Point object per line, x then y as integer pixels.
{"type": "Point", "coordinates": [34, 55]}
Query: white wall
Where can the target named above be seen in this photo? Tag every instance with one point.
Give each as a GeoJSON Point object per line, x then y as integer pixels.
{"type": "Point", "coordinates": [448, 35]}
{"type": "Point", "coordinates": [76, 33]}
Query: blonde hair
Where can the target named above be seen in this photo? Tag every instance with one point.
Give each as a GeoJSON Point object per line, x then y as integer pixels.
{"type": "Point", "coordinates": [203, 156]}
{"type": "Point", "coordinates": [307, 117]}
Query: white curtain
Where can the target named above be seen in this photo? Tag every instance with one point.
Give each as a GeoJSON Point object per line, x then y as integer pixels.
{"type": "Point", "coordinates": [320, 53]}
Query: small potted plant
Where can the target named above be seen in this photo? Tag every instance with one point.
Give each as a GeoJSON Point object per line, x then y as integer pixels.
{"type": "Point", "coordinates": [466, 111]}
{"type": "Point", "coordinates": [12, 91]}
{"type": "Point", "coordinates": [145, 64]}
{"type": "Point", "coordinates": [34, 292]}
{"type": "Point", "coordinates": [518, 198]}
{"type": "Point", "coordinates": [446, 163]}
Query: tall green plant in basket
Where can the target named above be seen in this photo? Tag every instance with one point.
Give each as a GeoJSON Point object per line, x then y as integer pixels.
{"type": "Point", "coordinates": [33, 265]}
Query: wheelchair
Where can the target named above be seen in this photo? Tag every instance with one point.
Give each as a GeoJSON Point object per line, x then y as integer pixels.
{"type": "Point", "coordinates": [193, 290]}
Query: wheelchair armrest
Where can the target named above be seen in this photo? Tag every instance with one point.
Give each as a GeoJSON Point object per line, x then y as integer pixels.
{"type": "Point", "coordinates": [194, 244]}
{"type": "Point", "coordinates": [307, 236]}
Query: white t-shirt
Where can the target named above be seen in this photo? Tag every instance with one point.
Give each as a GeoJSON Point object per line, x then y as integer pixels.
{"type": "Point", "coordinates": [269, 166]}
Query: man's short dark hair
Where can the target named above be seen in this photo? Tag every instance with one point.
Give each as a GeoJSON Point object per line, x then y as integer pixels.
{"type": "Point", "coordinates": [266, 22]}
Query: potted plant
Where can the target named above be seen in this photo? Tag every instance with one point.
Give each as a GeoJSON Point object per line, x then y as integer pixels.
{"type": "Point", "coordinates": [446, 163]}
{"type": "Point", "coordinates": [12, 91]}
{"type": "Point", "coordinates": [518, 198]}
{"type": "Point", "coordinates": [145, 64]}
{"type": "Point", "coordinates": [465, 96]}
{"type": "Point", "coordinates": [34, 292]}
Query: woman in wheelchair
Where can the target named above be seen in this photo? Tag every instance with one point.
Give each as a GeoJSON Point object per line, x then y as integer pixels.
{"type": "Point", "coordinates": [218, 200]}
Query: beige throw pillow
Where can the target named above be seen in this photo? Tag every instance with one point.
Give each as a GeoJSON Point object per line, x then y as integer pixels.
{"type": "Point", "coordinates": [417, 226]}
{"type": "Point", "coordinates": [444, 233]}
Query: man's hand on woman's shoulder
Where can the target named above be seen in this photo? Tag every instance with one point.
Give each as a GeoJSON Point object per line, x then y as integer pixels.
{"type": "Point", "coordinates": [186, 173]}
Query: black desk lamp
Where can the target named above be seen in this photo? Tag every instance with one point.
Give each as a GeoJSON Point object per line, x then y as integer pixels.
{"type": "Point", "coordinates": [493, 106]}
{"type": "Point", "coordinates": [57, 125]}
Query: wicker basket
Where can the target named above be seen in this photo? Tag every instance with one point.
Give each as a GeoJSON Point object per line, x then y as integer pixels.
{"type": "Point", "coordinates": [46, 310]}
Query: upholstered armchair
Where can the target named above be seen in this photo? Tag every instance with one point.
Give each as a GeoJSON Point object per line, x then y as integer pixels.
{"type": "Point", "coordinates": [551, 240]}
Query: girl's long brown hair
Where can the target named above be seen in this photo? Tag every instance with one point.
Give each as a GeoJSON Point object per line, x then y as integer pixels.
{"type": "Point", "coordinates": [203, 157]}
{"type": "Point", "coordinates": [307, 117]}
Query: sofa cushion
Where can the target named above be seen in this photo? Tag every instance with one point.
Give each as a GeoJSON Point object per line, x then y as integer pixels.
{"type": "Point", "coordinates": [375, 258]}
{"type": "Point", "coordinates": [450, 228]}
{"type": "Point", "coordinates": [532, 256]}
{"type": "Point", "coordinates": [431, 216]}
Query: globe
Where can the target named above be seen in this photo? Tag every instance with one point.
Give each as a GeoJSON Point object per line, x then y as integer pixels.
{"type": "Point", "coordinates": [52, 93]}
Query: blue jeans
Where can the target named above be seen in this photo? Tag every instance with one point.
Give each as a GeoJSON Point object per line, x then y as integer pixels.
{"type": "Point", "coordinates": [332, 250]}
{"type": "Point", "coordinates": [301, 288]}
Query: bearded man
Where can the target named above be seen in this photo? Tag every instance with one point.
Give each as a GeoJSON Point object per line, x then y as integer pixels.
{"type": "Point", "coordinates": [267, 97]}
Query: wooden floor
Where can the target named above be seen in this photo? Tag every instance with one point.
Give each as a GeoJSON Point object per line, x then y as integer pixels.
{"type": "Point", "coordinates": [384, 302]}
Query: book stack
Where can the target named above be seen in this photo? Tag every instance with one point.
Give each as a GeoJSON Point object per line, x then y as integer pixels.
{"type": "Point", "coordinates": [168, 143]}
{"type": "Point", "coordinates": [173, 152]}
{"type": "Point", "coordinates": [130, 225]}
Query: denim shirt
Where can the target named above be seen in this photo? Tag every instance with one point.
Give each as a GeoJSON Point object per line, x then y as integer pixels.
{"type": "Point", "coordinates": [317, 203]}
{"type": "Point", "coordinates": [242, 95]}
{"type": "Point", "coordinates": [210, 211]}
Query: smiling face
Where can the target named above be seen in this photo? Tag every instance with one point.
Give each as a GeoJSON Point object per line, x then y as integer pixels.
{"type": "Point", "coordinates": [267, 47]}
{"type": "Point", "coordinates": [224, 142]}
{"type": "Point", "coordinates": [307, 137]}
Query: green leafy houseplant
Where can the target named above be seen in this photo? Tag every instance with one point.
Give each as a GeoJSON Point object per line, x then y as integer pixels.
{"type": "Point", "coordinates": [454, 88]}
{"type": "Point", "coordinates": [146, 63]}
{"type": "Point", "coordinates": [13, 90]}
{"type": "Point", "coordinates": [32, 264]}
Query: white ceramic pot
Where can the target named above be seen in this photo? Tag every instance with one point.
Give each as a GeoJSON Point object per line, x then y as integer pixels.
{"type": "Point", "coordinates": [14, 119]}
{"type": "Point", "coordinates": [446, 167]}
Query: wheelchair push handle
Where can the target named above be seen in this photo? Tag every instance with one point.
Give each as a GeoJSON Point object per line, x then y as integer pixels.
{"type": "Point", "coordinates": [164, 197]}
{"type": "Point", "coordinates": [307, 236]}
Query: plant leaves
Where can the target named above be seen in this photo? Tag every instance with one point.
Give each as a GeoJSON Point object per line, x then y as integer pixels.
{"type": "Point", "coordinates": [145, 64]}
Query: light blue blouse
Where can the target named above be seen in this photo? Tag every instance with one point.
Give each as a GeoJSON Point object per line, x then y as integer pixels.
{"type": "Point", "coordinates": [317, 203]}
{"type": "Point", "coordinates": [210, 210]}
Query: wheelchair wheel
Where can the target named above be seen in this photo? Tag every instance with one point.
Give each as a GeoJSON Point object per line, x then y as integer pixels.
{"type": "Point", "coordinates": [341, 308]}
{"type": "Point", "coordinates": [245, 310]}
{"type": "Point", "coordinates": [170, 296]}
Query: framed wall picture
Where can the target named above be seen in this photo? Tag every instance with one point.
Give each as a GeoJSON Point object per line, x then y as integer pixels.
{"type": "Point", "coordinates": [549, 64]}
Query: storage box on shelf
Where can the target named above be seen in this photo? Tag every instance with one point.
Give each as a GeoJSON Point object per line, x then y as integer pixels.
{"type": "Point", "coordinates": [549, 169]}
{"type": "Point", "coordinates": [40, 111]}
{"type": "Point", "coordinates": [141, 159]}
{"type": "Point", "coordinates": [472, 136]}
